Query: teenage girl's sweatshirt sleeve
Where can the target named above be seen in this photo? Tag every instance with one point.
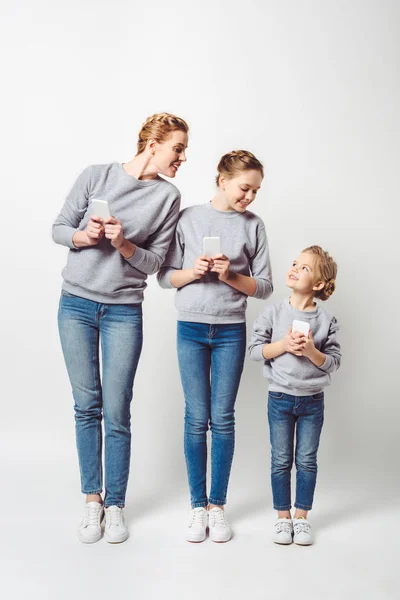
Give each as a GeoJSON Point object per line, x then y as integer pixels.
{"type": "Point", "coordinates": [262, 333]}
{"type": "Point", "coordinates": [73, 211]}
{"type": "Point", "coordinates": [148, 260]}
{"type": "Point", "coordinates": [173, 260]}
{"type": "Point", "coordinates": [260, 266]}
{"type": "Point", "coordinates": [331, 348]}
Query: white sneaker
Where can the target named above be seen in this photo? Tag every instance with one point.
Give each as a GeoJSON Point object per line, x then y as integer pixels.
{"type": "Point", "coordinates": [283, 531]}
{"type": "Point", "coordinates": [115, 531]}
{"type": "Point", "coordinates": [90, 528]}
{"type": "Point", "coordinates": [302, 532]}
{"type": "Point", "coordinates": [198, 521]}
{"type": "Point", "coordinates": [219, 527]}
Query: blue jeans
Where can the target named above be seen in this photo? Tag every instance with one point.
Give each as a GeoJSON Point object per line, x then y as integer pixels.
{"type": "Point", "coordinates": [211, 361]}
{"type": "Point", "coordinates": [287, 413]}
{"type": "Point", "coordinates": [82, 323]}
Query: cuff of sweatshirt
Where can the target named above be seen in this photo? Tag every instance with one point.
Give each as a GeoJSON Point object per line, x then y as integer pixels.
{"type": "Point", "coordinates": [137, 258]}
{"type": "Point", "coordinates": [66, 238]}
{"type": "Point", "coordinates": [164, 278]}
{"type": "Point", "coordinates": [327, 364]}
{"type": "Point", "coordinates": [263, 289]}
{"type": "Point", "coordinates": [256, 353]}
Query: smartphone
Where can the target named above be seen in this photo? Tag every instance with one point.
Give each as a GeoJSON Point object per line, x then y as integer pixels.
{"type": "Point", "coordinates": [99, 208]}
{"type": "Point", "coordinates": [301, 326]}
{"type": "Point", "coordinates": [211, 246]}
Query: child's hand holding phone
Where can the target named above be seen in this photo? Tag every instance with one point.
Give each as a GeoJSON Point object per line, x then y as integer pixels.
{"type": "Point", "coordinates": [201, 266]}
{"type": "Point", "coordinates": [221, 266]}
{"type": "Point", "coordinates": [293, 342]}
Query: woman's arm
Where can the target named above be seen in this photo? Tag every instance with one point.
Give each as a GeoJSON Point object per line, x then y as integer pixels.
{"type": "Point", "coordinates": [65, 228]}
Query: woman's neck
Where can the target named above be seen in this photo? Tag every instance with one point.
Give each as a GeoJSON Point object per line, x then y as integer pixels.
{"type": "Point", "coordinates": [220, 202]}
{"type": "Point", "coordinates": [140, 167]}
{"type": "Point", "coordinates": [303, 302]}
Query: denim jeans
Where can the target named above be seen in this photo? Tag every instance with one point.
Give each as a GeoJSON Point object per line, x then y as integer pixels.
{"type": "Point", "coordinates": [211, 362]}
{"type": "Point", "coordinates": [287, 414]}
{"type": "Point", "coordinates": [82, 324]}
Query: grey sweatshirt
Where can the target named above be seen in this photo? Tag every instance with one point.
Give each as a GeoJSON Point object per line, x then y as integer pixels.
{"type": "Point", "coordinates": [148, 211]}
{"type": "Point", "coordinates": [288, 373]}
{"type": "Point", "coordinates": [243, 241]}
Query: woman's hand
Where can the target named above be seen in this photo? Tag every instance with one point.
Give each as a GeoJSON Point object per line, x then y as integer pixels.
{"type": "Point", "coordinates": [113, 232]}
{"type": "Point", "coordinates": [220, 265]}
{"type": "Point", "coordinates": [293, 342]}
{"type": "Point", "coordinates": [201, 266]}
{"type": "Point", "coordinates": [94, 230]}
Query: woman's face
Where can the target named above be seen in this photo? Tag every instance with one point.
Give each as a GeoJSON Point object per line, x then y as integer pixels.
{"type": "Point", "coordinates": [241, 190]}
{"type": "Point", "coordinates": [170, 154]}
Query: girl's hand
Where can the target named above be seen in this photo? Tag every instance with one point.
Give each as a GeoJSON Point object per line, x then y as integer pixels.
{"type": "Point", "coordinates": [201, 266]}
{"type": "Point", "coordinates": [293, 342]}
{"type": "Point", "coordinates": [308, 345]}
{"type": "Point", "coordinates": [94, 230]}
{"type": "Point", "coordinates": [113, 231]}
{"type": "Point", "coordinates": [220, 265]}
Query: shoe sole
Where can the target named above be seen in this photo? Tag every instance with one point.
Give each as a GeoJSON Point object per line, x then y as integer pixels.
{"type": "Point", "coordinates": [303, 543]}
{"type": "Point", "coordinates": [116, 541]}
{"type": "Point", "coordinates": [195, 540]}
{"type": "Point", "coordinates": [283, 543]}
{"type": "Point", "coordinates": [214, 538]}
{"type": "Point", "coordinates": [90, 541]}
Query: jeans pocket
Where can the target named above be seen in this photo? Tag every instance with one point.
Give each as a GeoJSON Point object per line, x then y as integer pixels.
{"type": "Point", "coordinates": [319, 396]}
{"type": "Point", "coordinates": [276, 395]}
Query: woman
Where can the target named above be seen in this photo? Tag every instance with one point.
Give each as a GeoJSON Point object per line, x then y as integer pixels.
{"type": "Point", "coordinates": [101, 299]}
{"type": "Point", "coordinates": [211, 302]}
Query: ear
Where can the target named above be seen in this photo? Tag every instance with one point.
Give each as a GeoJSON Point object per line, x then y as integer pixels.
{"type": "Point", "coordinates": [151, 145]}
{"type": "Point", "coordinates": [222, 182]}
{"type": "Point", "coordinates": [319, 286]}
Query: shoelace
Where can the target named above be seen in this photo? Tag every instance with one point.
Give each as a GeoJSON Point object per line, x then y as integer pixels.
{"type": "Point", "coordinates": [92, 515]}
{"type": "Point", "coordinates": [302, 526]}
{"type": "Point", "coordinates": [283, 527]}
{"type": "Point", "coordinates": [196, 517]}
{"type": "Point", "coordinates": [114, 517]}
{"type": "Point", "coordinates": [217, 517]}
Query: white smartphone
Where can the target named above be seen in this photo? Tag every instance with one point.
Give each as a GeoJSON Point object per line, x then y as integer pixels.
{"type": "Point", "coordinates": [99, 208]}
{"type": "Point", "coordinates": [211, 246]}
{"type": "Point", "coordinates": [301, 326]}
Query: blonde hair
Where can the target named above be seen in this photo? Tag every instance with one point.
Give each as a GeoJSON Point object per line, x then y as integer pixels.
{"type": "Point", "coordinates": [238, 160]}
{"type": "Point", "coordinates": [327, 271]}
{"type": "Point", "coordinates": [158, 127]}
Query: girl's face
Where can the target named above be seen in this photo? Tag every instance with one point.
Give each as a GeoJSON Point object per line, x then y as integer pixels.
{"type": "Point", "coordinates": [241, 190]}
{"type": "Point", "coordinates": [169, 155]}
{"type": "Point", "coordinates": [303, 275]}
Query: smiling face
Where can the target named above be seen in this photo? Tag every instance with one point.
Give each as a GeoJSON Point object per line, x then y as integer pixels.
{"type": "Point", "coordinates": [170, 154]}
{"type": "Point", "coordinates": [303, 276]}
{"type": "Point", "coordinates": [241, 190]}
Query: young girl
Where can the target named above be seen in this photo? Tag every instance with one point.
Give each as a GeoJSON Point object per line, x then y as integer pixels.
{"type": "Point", "coordinates": [101, 300]}
{"type": "Point", "coordinates": [298, 368]}
{"type": "Point", "coordinates": [211, 302]}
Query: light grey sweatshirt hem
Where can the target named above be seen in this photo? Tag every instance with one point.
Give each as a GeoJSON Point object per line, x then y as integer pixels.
{"type": "Point", "coordinates": [273, 387]}
{"type": "Point", "coordinates": [129, 297]}
{"type": "Point", "coordinates": [195, 317]}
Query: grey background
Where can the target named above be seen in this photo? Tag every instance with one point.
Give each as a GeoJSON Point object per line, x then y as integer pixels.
{"type": "Point", "coordinates": [312, 88]}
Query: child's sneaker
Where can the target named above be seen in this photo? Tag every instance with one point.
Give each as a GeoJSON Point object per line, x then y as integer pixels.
{"type": "Point", "coordinates": [283, 531]}
{"type": "Point", "coordinates": [197, 527]}
{"type": "Point", "coordinates": [115, 531]}
{"type": "Point", "coordinates": [90, 528]}
{"type": "Point", "coordinates": [302, 532]}
{"type": "Point", "coordinates": [219, 527]}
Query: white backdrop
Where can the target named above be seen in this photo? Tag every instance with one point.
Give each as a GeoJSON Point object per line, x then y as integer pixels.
{"type": "Point", "coordinates": [312, 88]}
